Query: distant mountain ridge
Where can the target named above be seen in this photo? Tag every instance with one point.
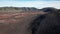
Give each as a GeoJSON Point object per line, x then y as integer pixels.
{"type": "Point", "coordinates": [26, 9]}
{"type": "Point", "coordinates": [18, 9]}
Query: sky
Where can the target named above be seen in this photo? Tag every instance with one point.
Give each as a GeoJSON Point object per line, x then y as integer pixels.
{"type": "Point", "coordinates": [29, 0]}
{"type": "Point", "coordinates": [30, 3]}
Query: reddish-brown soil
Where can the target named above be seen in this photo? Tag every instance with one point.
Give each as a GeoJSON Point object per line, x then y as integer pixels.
{"type": "Point", "coordinates": [16, 23]}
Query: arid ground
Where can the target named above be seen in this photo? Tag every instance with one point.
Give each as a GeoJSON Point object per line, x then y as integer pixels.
{"type": "Point", "coordinates": [16, 22]}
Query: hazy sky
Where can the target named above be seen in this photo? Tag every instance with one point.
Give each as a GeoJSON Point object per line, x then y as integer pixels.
{"type": "Point", "coordinates": [30, 3]}
{"type": "Point", "coordinates": [29, 0]}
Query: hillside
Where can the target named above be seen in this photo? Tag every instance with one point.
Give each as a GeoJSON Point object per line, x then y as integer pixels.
{"type": "Point", "coordinates": [15, 20]}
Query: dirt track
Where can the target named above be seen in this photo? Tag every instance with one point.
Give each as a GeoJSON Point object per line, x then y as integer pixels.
{"type": "Point", "coordinates": [16, 23]}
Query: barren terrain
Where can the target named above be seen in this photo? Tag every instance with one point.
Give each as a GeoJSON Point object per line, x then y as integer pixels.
{"type": "Point", "coordinates": [16, 22]}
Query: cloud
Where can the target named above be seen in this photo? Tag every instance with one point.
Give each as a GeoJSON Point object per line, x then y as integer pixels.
{"type": "Point", "coordinates": [37, 4]}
